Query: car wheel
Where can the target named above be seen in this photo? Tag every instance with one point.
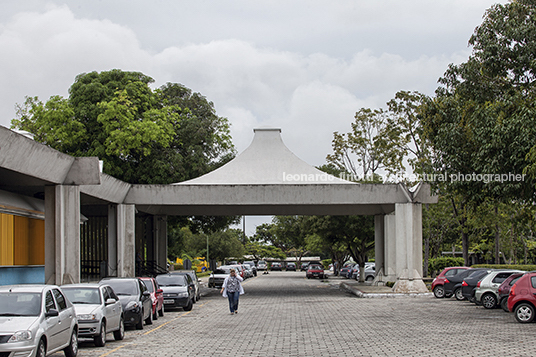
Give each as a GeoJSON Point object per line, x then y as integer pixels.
{"type": "Point", "coordinates": [72, 349]}
{"type": "Point", "coordinates": [504, 304]}
{"type": "Point", "coordinates": [458, 294]}
{"type": "Point", "coordinates": [489, 301]}
{"type": "Point", "coordinates": [119, 334]}
{"type": "Point", "coordinates": [161, 311]}
{"type": "Point", "coordinates": [189, 306]}
{"type": "Point", "coordinates": [524, 313]}
{"type": "Point", "coordinates": [139, 325]}
{"type": "Point", "coordinates": [41, 349]}
{"type": "Point", "coordinates": [100, 339]}
{"type": "Point", "coordinates": [439, 292]}
{"type": "Point", "coordinates": [149, 319]}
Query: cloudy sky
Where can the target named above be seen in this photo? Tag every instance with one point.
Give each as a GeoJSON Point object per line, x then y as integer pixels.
{"type": "Point", "coordinates": [305, 66]}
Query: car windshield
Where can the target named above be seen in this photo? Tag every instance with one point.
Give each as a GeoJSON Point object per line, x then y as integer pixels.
{"type": "Point", "coordinates": [315, 267]}
{"type": "Point", "coordinates": [83, 295]}
{"type": "Point", "coordinates": [222, 270]}
{"type": "Point", "coordinates": [149, 285]}
{"type": "Point", "coordinates": [123, 287]}
{"type": "Point", "coordinates": [20, 304]}
{"type": "Point", "coordinates": [171, 280]}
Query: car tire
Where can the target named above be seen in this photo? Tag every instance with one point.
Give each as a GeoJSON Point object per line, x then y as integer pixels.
{"type": "Point", "coordinates": [41, 349]}
{"type": "Point", "coordinates": [139, 325]}
{"type": "Point", "coordinates": [189, 306]}
{"type": "Point", "coordinates": [100, 339]}
{"type": "Point", "coordinates": [161, 311]}
{"type": "Point", "coordinates": [119, 334]}
{"type": "Point", "coordinates": [489, 301]}
{"type": "Point", "coordinates": [458, 294]}
{"type": "Point", "coordinates": [524, 313]}
{"type": "Point", "coordinates": [439, 292]}
{"type": "Point", "coordinates": [149, 319]}
{"type": "Point", "coordinates": [504, 304]}
{"type": "Point", "coordinates": [72, 349]}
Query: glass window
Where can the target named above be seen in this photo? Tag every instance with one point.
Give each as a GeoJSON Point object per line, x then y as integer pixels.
{"type": "Point", "coordinates": [533, 281]}
{"type": "Point", "coordinates": [171, 280]}
{"type": "Point", "coordinates": [149, 285]}
{"type": "Point", "coordinates": [123, 286]}
{"type": "Point", "coordinates": [60, 299]}
{"type": "Point", "coordinates": [499, 278]}
{"type": "Point", "coordinates": [105, 293]}
{"type": "Point", "coordinates": [20, 304]}
{"type": "Point", "coordinates": [112, 293]}
{"type": "Point", "coordinates": [83, 295]}
{"type": "Point", "coordinates": [49, 302]}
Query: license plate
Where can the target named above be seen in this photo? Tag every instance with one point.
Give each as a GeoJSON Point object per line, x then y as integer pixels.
{"type": "Point", "coordinates": [169, 301]}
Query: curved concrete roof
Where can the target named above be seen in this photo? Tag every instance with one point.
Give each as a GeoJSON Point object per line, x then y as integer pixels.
{"type": "Point", "coordinates": [266, 161]}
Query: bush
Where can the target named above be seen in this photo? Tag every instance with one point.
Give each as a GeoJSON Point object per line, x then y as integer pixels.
{"type": "Point", "coordinates": [436, 265]}
{"type": "Point", "coordinates": [326, 263]}
{"type": "Point", "coordinates": [506, 266]}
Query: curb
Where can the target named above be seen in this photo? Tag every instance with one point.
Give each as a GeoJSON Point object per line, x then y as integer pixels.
{"type": "Point", "coordinates": [360, 294]}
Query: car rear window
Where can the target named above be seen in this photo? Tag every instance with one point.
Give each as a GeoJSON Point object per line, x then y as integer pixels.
{"type": "Point", "coordinates": [171, 280]}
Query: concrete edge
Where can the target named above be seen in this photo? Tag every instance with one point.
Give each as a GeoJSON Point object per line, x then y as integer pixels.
{"type": "Point", "coordinates": [361, 294]}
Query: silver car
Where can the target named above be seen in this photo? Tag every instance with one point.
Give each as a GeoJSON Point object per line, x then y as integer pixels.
{"type": "Point", "coordinates": [486, 291]}
{"type": "Point", "coordinates": [98, 311]}
{"type": "Point", "coordinates": [37, 320]}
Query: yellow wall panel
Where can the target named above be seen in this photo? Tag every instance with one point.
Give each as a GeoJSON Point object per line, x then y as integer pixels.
{"type": "Point", "coordinates": [6, 239]}
{"type": "Point", "coordinates": [29, 244]}
{"type": "Point", "coordinates": [37, 242]}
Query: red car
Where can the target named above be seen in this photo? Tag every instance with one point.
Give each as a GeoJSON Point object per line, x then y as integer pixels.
{"type": "Point", "coordinates": [437, 284]}
{"type": "Point", "coordinates": [157, 296]}
{"type": "Point", "coordinates": [522, 298]}
{"type": "Point", "coordinates": [315, 271]}
{"type": "Point", "coordinates": [504, 290]}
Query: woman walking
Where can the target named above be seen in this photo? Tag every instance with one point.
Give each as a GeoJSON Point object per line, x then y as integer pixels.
{"type": "Point", "coordinates": [232, 289]}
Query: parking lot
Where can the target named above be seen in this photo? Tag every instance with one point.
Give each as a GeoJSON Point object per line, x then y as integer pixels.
{"type": "Point", "coordinates": [284, 314]}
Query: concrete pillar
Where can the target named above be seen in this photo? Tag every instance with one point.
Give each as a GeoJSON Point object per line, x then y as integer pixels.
{"type": "Point", "coordinates": [112, 240]}
{"type": "Point", "coordinates": [126, 241]}
{"type": "Point", "coordinates": [62, 234]}
{"type": "Point", "coordinates": [160, 235]}
{"type": "Point", "coordinates": [390, 248]}
{"type": "Point", "coordinates": [409, 248]}
{"type": "Point", "coordinates": [379, 247]}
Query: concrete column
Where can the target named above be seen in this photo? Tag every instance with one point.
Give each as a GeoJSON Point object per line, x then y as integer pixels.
{"type": "Point", "coordinates": [126, 241]}
{"type": "Point", "coordinates": [379, 247]}
{"type": "Point", "coordinates": [390, 248]}
{"type": "Point", "coordinates": [62, 234]}
{"type": "Point", "coordinates": [112, 240]}
{"type": "Point", "coordinates": [409, 248]}
{"type": "Point", "coordinates": [160, 235]}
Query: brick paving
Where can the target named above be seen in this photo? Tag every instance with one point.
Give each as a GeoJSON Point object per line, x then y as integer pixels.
{"type": "Point", "coordinates": [284, 314]}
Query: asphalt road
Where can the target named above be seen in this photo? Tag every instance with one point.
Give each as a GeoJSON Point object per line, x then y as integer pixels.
{"type": "Point", "coordinates": [284, 314]}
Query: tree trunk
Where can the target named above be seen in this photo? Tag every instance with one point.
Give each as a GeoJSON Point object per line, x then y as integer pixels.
{"type": "Point", "coordinates": [497, 237]}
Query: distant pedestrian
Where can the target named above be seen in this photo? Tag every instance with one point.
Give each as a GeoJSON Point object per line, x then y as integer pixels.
{"type": "Point", "coordinates": [232, 289]}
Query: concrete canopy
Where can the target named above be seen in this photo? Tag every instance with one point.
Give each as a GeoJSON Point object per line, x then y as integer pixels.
{"type": "Point", "coordinates": [268, 179]}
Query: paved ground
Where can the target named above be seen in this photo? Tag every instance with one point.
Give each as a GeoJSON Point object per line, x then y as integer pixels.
{"type": "Point", "coordinates": [284, 314]}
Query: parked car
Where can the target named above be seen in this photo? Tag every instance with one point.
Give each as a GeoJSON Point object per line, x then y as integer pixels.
{"type": "Point", "coordinates": [346, 270]}
{"type": "Point", "coordinates": [179, 290]}
{"type": "Point", "coordinates": [239, 270]}
{"type": "Point", "coordinates": [98, 311]}
{"type": "Point", "coordinates": [469, 284]}
{"type": "Point", "coordinates": [487, 289]}
{"type": "Point", "coordinates": [157, 296]}
{"type": "Point", "coordinates": [522, 298]}
{"type": "Point", "coordinates": [276, 266]}
{"type": "Point", "coordinates": [315, 271]}
{"type": "Point", "coordinates": [217, 277]}
{"type": "Point", "coordinates": [195, 279]}
{"type": "Point", "coordinates": [370, 272]}
{"type": "Point", "coordinates": [248, 273]}
{"type": "Point", "coordinates": [261, 265]}
{"type": "Point", "coordinates": [437, 283]}
{"type": "Point", "coordinates": [251, 266]}
{"type": "Point", "coordinates": [453, 285]}
{"type": "Point", "coordinates": [135, 300]}
{"type": "Point", "coordinates": [291, 266]}
{"type": "Point", "coordinates": [304, 266]}
{"type": "Point", "coordinates": [504, 290]}
{"type": "Point", "coordinates": [36, 320]}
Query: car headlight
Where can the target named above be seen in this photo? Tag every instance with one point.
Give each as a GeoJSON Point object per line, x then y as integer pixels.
{"type": "Point", "coordinates": [87, 317]}
{"type": "Point", "coordinates": [132, 305]}
{"type": "Point", "coordinates": [183, 294]}
{"type": "Point", "coordinates": [21, 336]}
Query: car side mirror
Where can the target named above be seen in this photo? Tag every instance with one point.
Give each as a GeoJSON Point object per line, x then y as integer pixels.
{"type": "Point", "coordinates": [52, 313]}
{"type": "Point", "coordinates": [110, 301]}
{"type": "Point", "coordinates": [159, 291]}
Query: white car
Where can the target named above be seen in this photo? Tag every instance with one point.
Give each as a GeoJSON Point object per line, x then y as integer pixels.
{"type": "Point", "coordinates": [261, 265]}
{"type": "Point", "coordinates": [37, 320]}
{"type": "Point", "coordinates": [98, 311]}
